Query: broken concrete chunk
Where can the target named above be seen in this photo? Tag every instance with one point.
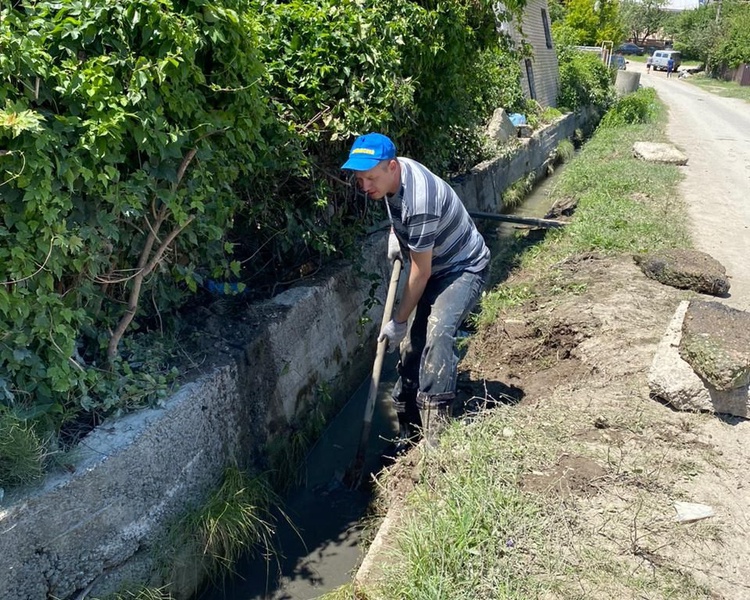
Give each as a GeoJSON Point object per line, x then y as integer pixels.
{"type": "Point", "coordinates": [716, 343]}
{"type": "Point", "coordinates": [685, 269]}
{"type": "Point", "coordinates": [524, 131]}
{"type": "Point", "coordinates": [661, 153]}
{"type": "Point", "coordinates": [674, 381]}
{"type": "Point", "coordinates": [501, 129]}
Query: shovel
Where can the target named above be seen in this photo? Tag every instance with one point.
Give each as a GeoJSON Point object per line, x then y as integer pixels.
{"type": "Point", "coordinates": [354, 476]}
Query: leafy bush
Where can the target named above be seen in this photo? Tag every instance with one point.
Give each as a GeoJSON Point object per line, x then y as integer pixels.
{"type": "Point", "coordinates": [718, 37]}
{"type": "Point", "coordinates": [339, 69]}
{"type": "Point", "coordinates": [584, 80]}
{"type": "Point", "coordinates": [123, 125]}
{"type": "Point", "coordinates": [636, 108]}
{"type": "Point", "coordinates": [147, 146]}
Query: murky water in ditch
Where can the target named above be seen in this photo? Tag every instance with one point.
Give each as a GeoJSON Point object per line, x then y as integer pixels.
{"type": "Point", "coordinates": [323, 553]}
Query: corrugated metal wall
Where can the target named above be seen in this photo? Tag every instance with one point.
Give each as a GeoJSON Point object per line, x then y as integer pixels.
{"type": "Point", "coordinates": [540, 73]}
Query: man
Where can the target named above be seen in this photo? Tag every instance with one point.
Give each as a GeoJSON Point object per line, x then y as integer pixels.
{"type": "Point", "coordinates": [449, 263]}
{"type": "Point", "coordinates": [648, 65]}
{"type": "Point", "coordinates": [670, 67]}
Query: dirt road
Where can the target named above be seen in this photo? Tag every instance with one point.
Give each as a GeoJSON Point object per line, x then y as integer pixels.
{"type": "Point", "coordinates": [715, 134]}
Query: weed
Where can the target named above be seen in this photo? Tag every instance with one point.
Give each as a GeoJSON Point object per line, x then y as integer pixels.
{"type": "Point", "coordinates": [634, 109]}
{"type": "Point", "coordinates": [500, 299]}
{"type": "Point", "coordinates": [550, 113]}
{"type": "Point", "coordinates": [565, 151]}
{"type": "Point", "coordinates": [235, 520]}
{"type": "Point", "coordinates": [22, 451]}
{"type": "Point", "coordinates": [149, 593]}
{"type": "Point", "coordinates": [517, 191]}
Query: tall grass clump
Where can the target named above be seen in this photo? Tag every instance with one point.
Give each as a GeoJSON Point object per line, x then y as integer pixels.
{"type": "Point", "coordinates": [634, 109]}
{"type": "Point", "coordinates": [235, 520]}
{"type": "Point", "coordinates": [518, 190]}
{"type": "Point", "coordinates": [565, 151]}
{"type": "Point", "coordinates": [22, 451]}
{"type": "Point", "coordinates": [149, 593]}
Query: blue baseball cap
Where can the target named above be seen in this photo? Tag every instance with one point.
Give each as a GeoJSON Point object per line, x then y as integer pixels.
{"type": "Point", "coordinates": [368, 150]}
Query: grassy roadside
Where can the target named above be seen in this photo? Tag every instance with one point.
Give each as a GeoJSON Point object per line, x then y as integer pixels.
{"type": "Point", "coordinates": [469, 528]}
{"type": "Point", "coordinates": [728, 89]}
{"type": "Point", "coordinates": [623, 205]}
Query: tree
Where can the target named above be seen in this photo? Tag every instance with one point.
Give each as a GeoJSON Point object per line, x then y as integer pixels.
{"type": "Point", "coordinates": [590, 22]}
{"type": "Point", "coordinates": [642, 18]}
{"type": "Point", "coordinates": [696, 32]}
{"type": "Point", "coordinates": [733, 48]}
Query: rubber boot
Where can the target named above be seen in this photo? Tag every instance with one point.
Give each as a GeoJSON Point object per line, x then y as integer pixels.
{"type": "Point", "coordinates": [434, 418]}
{"type": "Point", "coordinates": [408, 433]}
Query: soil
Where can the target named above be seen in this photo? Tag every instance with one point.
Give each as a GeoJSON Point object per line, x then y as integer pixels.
{"type": "Point", "coordinates": [583, 362]}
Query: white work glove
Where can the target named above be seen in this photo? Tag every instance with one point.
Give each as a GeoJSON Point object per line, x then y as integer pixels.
{"type": "Point", "coordinates": [394, 248]}
{"type": "Point", "coordinates": [394, 332]}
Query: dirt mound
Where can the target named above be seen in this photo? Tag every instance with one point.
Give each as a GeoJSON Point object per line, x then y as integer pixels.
{"type": "Point", "coordinates": [581, 361]}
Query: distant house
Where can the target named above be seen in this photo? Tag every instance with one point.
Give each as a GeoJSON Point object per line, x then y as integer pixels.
{"type": "Point", "coordinates": [540, 72]}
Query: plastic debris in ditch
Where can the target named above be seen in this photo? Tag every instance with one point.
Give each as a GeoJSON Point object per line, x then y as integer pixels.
{"type": "Point", "coordinates": [225, 288]}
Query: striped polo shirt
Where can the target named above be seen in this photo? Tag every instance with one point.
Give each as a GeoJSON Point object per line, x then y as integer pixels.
{"type": "Point", "coordinates": [428, 214]}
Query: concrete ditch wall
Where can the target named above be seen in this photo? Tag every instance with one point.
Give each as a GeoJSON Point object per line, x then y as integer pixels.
{"type": "Point", "coordinates": [481, 190]}
{"type": "Point", "coordinates": [87, 532]}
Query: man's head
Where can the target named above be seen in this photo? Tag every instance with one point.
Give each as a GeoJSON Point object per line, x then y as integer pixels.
{"type": "Point", "coordinates": [373, 160]}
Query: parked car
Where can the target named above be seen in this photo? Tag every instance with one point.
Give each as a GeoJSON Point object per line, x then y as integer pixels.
{"type": "Point", "coordinates": [630, 48]}
{"type": "Point", "coordinates": [660, 58]}
{"type": "Point", "coordinates": [619, 62]}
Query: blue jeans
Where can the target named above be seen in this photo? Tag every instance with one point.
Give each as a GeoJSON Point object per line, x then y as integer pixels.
{"type": "Point", "coordinates": [429, 360]}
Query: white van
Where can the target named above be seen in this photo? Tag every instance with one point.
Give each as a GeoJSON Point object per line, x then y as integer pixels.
{"type": "Point", "coordinates": [660, 58]}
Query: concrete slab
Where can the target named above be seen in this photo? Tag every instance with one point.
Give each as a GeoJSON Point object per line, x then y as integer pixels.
{"type": "Point", "coordinates": [673, 380]}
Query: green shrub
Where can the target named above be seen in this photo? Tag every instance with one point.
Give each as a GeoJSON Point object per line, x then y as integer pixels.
{"type": "Point", "coordinates": [636, 108]}
{"type": "Point", "coordinates": [149, 145]}
{"type": "Point", "coordinates": [584, 80]}
{"type": "Point", "coordinates": [123, 125]}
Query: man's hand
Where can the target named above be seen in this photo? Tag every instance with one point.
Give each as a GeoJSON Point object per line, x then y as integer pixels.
{"type": "Point", "coordinates": [394, 332]}
{"type": "Point", "coordinates": [394, 248]}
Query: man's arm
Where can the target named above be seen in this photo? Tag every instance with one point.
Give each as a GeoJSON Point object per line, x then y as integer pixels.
{"type": "Point", "coordinates": [419, 274]}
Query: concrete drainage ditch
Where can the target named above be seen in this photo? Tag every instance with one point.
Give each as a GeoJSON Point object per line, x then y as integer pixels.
{"type": "Point", "coordinates": [93, 530]}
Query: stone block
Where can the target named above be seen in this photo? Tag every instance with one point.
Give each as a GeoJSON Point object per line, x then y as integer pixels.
{"type": "Point", "coordinates": [685, 269]}
{"type": "Point", "coordinates": [674, 381]}
{"type": "Point", "coordinates": [500, 129]}
{"type": "Point", "coordinates": [657, 152]}
{"type": "Point", "coordinates": [716, 343]}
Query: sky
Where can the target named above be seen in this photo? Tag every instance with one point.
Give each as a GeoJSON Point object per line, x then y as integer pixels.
{"type": "Point", "coordinates": [682, 4]}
